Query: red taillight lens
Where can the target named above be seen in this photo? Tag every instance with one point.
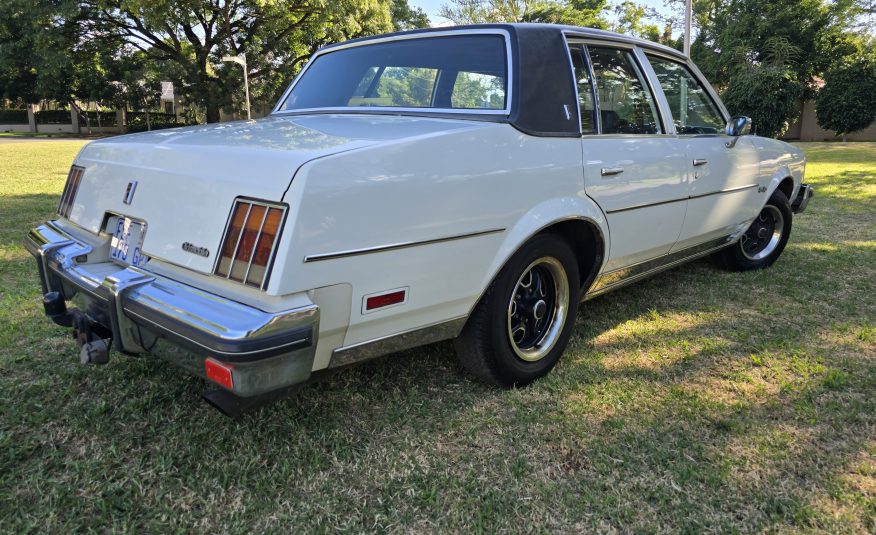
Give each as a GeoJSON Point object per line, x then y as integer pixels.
{"type": "Point", "coordinates": [248, 246]}
{"type": "Point", "coordinates": [70, 189]}
{"type": "Point", "coordinates": [219, 373]}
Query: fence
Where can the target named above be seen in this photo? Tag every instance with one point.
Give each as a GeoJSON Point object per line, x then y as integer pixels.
{"type": "Point", "coordinates": [11, 116]}
{"type": "Point", "coordinates": [136, 121]}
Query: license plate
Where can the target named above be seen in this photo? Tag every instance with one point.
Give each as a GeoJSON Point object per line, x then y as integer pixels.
{"type": "Point", "coordinates": [127, 242]}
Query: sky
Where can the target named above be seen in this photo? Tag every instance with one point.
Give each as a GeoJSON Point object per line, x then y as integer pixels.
{"type": "Point", "coordinates": [431, 7]}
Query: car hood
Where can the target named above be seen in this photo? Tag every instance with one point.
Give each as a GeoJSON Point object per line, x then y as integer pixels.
{"type": "Point", "coordinates": [187, 178]}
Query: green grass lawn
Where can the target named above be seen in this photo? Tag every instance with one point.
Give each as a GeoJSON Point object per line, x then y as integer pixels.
{"type": "Point", "coordinates": [696, 401]}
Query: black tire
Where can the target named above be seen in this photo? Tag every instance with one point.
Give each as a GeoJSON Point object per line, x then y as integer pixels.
{"type": "Point", "coordinates": [763, 241]}
{"type": "Point", "coordinates": [486, 348]}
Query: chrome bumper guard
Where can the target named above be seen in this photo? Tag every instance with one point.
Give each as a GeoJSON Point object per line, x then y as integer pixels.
{"type": "Point", "coordinates": [803, 195]}
{"type": "Point", "coordinates": [266, 350]}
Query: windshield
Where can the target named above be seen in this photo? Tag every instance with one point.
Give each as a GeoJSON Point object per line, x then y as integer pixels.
{"type": "Point", "coordinates": [461, 72]}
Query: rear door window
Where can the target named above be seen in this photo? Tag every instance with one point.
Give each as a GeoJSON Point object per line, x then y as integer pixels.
{"type": "Point", "coordinates": [626, 105]}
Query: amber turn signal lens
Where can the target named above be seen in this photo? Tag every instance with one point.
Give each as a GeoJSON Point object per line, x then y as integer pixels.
{"type": "Point", "coordinates": [70, 190]}
{"type": "Point", "coordinates": [248, 246]}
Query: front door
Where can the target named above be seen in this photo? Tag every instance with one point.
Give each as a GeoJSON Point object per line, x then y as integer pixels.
{"type": "Point", "coordinates": [723, 170]}
{"type": "Point", "coordinates": [632, 168]}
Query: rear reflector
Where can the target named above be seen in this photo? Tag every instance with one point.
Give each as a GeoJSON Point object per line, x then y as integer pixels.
{"type": "Point", "coordinates": [219, 373]}
{"type": "Point", "coordinates": [70, 189]}
{"type": "Point", "coordinates": [392, 297]}
{"type": "Point", "coordinates": [252, 234]}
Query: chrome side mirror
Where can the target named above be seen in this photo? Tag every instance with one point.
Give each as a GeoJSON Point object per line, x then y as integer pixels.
{"type": "Point", "coordinates": [738, 126]}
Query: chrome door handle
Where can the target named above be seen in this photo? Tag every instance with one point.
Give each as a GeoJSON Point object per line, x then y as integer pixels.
{"type": "Point", "coordinates": [699, 161]}
{"type": "Point", "coordinates": [610, 171]}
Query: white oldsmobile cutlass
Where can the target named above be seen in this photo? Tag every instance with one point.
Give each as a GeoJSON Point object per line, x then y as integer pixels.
{"type": "Point", "coordinates": [473, 183]}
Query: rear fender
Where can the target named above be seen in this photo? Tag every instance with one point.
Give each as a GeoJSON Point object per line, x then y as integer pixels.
{"type": "Point", "coordinates": [541, 217]}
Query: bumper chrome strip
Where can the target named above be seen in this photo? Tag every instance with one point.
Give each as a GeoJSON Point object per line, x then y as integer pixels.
{"type": "Point", "coordinates": [129, 298]}
{"type": "Point", "coordinates": [395, 246]}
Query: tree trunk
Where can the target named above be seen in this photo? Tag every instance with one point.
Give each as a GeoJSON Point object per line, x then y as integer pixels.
{"type": "Point", "coordinates": [844, 138]}
{"type": "Point", "coordinates": [212, 112]}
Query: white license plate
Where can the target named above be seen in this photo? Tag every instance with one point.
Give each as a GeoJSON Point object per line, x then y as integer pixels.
{"type": "Point", "coordinates": [127, 242]}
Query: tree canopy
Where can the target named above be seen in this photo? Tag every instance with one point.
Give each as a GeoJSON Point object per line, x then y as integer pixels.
{"type": "Point", "coordinates": [86, 49]}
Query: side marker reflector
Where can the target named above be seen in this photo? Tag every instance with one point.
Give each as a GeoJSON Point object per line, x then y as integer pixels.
{"type": "Point", "coordinates": [385, 299]}
{"type": "Point", "coordinates": [219, 373]}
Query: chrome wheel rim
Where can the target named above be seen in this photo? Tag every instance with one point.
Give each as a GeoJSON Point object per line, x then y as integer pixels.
{"type": "Point", "coordinates": [764, 234]}
{"type": "Point", "coordinates": [538, 308]}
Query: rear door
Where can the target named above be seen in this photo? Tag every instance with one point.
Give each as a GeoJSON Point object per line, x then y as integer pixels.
{"type": "Point", "coordinates": [723, 170]}
{"type": "Point", "coordinates": [633, 168]}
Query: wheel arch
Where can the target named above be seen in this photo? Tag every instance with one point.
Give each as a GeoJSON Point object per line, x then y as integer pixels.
{"type": "Point", "coordinates": [578, 220]}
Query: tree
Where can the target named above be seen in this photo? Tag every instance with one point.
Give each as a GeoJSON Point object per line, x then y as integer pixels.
{"type": "Point", "coordinates": [847, 102]}
{"type": "Point", "coordinates": [404, 17]}
{"type": "Point", "coordinates": [45, 54]}
{"type": "Point", "coordinates": [191, 37]}
{"type": "Point", "coordinates": [573, 12]}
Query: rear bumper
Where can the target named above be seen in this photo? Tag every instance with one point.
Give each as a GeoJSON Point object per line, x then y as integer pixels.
{"type": "Point", "coordinates": [802, 199]}
{"type": "Point", "coordinates": [266, 350]}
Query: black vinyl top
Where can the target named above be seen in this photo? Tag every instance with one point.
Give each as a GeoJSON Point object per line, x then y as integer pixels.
{"type": "Point", "coordinates": [544, 99]}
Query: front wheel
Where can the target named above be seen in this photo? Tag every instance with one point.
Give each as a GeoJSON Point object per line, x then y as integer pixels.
{"type": "Point", "coordinates": [764, 240]}
{"type": "Point", "coordinates": [521, 326]}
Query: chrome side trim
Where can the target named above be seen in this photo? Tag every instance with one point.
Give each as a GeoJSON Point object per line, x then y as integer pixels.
{"type": "Point", "coordinates": [630, 274]}
{"type": "Point", "coordinates": [680, 199]}
{"type": "Point", "coordinates": [400, 245]}
{"type": "Point", "coordinates": [728, 190]}
{"type": "Point", "coordinates": [377, 347]}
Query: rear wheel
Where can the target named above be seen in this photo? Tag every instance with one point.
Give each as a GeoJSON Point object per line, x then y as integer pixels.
{"type": "Point", "coordinates": [521, 326]}
{"type": "Point", "coordinates": [763, 241]}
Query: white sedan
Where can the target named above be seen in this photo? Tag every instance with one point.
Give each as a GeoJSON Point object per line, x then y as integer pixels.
{"type": "Point", "coordinates": [474, 183]}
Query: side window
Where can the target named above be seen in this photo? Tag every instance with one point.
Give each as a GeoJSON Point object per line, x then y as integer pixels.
{"type": "Point", "coordinates": [477, 90]}
{"type": "Point", "coordinates": [395, 86]}
{"type": "Point", "coordinates": [585, 91]}
{"type": "Point", "coordinates": [626, 106]}
{"type": "Point", "coordinates": [693, 110]}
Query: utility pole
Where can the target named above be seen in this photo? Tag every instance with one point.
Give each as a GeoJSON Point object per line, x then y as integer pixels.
{"type": "Point", "coordinates": [688, 15]}
{"type": "Point", "coordinates": [241, 60]}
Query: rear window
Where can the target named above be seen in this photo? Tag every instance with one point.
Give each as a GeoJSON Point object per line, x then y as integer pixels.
{"type": "Point", "coordinates": [467, 72]}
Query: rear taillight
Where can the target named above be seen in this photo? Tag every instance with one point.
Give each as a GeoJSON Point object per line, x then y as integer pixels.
{"type": "Point", "coordinates": [70, 189]}
{"type": "Point", "coordinates": [251, 236]}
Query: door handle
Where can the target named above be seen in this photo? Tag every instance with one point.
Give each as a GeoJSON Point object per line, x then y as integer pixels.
{"type": "Point", "coordinates": [700, 161]}
{"type": "Point", "coordinates": [611, 171]}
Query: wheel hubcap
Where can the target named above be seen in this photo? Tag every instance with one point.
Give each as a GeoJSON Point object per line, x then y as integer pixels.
{"type": "Point", "coordinates": [764, 234]}
{"type": "Point", "coordinates": [537, 309]}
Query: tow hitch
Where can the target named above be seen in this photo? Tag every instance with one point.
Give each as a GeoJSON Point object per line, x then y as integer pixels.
{"type": "Point", "coordinates": [93, 349]}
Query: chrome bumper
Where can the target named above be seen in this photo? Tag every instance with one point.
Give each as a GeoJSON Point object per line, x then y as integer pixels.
{"type": "Point", "coordinates": [803, 195]}
{"type": "Point", "coordinates": [267, 350]}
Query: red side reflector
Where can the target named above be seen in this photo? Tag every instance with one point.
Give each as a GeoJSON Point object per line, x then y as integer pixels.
{"type": "Point", "coordinates": [384, 300]}
{"type": "Point", "coordinates": [219, 373]}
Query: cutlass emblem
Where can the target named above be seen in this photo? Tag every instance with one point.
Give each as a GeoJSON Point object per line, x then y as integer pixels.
{"type": "Point", "coordinates": [194, 249]}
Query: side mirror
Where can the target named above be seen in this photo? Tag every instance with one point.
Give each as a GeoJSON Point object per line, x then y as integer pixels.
{"type": "Point", "coordinates": [738, 126]}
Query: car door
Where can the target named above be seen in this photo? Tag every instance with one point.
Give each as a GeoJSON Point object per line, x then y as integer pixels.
{"type": "Point", "coordinates": [723, 170]}
{"type": "Point", "coordinates": [633, 168]}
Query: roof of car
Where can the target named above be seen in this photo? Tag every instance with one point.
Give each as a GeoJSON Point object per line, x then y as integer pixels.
{"type": "Point", "coordinates": [576, 31]}
{"type": "Point", "coordinates": [545, 99]}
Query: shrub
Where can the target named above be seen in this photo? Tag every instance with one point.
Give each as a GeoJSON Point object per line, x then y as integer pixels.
{"type": "Point", "coordinates": [766, 93]}
{"type": "Point", "coordinates": [8, 116]}
{"type": "Point", "coordinates": [847, 102]}
{"type": "Point", "coordinates": [53, 117]}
